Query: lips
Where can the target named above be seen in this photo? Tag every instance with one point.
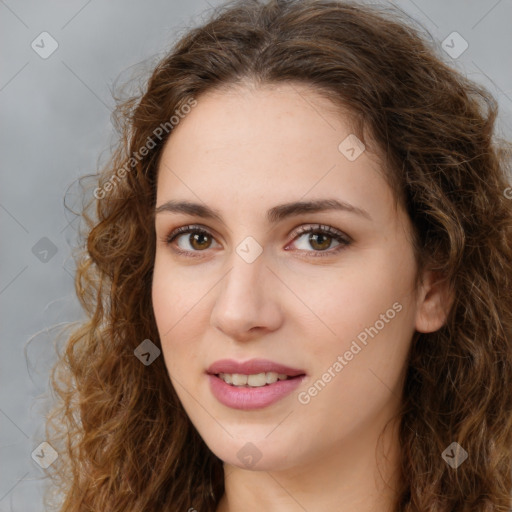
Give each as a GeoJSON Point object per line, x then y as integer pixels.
{"type": "Point", "coordinates": [252, 367]}
{"type": "Point", "coordinates": [247, 397]}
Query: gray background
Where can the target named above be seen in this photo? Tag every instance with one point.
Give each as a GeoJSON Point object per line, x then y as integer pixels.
{"type": "Point", "coordinates": [55, 126]}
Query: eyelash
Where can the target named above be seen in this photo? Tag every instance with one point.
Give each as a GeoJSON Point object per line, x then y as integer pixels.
{"type": "Point", "coordinates": [340, 237]}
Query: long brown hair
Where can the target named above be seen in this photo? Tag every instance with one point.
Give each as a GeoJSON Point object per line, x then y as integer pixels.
{"type": "Point", "coordinates": [124, 440]}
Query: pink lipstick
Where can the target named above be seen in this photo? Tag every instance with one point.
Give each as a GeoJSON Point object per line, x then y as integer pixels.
{"type": "Point", "coordinates": [252, 384]}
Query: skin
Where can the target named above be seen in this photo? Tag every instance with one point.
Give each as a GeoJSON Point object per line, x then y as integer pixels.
{"type": "Point", "coordinates": [242, 152]}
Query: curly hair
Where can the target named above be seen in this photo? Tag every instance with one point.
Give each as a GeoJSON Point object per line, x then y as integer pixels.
{"type": "Point", "coordinates": [124, 439]}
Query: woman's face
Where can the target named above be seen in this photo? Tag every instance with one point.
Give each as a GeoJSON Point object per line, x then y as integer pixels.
{"type": "Point", "coordinates": [335, 310]}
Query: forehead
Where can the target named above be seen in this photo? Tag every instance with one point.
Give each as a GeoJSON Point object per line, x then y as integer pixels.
{"type": "Point", "coordinates": [266, 145]}
{"type": "Point", "coordinates": [240, 120]}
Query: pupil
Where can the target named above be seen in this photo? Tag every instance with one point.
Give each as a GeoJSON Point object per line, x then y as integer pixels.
{"type": "Point", "coordinates": [197, 237]}
{"type": "Point", "coordinates": [315, 237]}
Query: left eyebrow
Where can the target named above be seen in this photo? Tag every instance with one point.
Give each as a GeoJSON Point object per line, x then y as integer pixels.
{"type": "Point", "coordinates": [274, 215]}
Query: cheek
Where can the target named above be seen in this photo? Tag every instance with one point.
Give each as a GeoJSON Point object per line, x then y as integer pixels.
{"type": "Point", "coordinates": [352, 392]}
{"type": "Point", "coordinates": [365, 314]}
{"type": "Point", "coordinates": [342, 302]}
{"type": "Point", "coordinates": [173, 302]}
{"type": "Point", "coordinates": [176, 294]}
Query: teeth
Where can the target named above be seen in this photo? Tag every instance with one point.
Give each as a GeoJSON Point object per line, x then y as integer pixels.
{"type": "Point", "coordinates": [239, 380]}
{"type": "Point", "coordinates": [255, 381]}
{"type": "Point", "coordinates": [271, 377]}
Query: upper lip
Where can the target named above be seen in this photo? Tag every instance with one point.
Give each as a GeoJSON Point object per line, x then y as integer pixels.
{"type": "Point", "coordinates": [252, 367]}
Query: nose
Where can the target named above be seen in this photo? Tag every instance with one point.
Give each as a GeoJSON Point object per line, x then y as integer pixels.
{"type": "Point", "coordinates": [247, 303]}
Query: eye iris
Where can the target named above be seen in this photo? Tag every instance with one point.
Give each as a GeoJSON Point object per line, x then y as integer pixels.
{"type": "Point", "coordinates": [200, 236]}
{"type": "Point", "coordinates": [313, 239]}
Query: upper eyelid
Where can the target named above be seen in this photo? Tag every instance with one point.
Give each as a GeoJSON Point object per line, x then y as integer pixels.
{"type": "Point", "coordinates": [304, 228]}
{"type": "Point", "coordinates": [298, 231]}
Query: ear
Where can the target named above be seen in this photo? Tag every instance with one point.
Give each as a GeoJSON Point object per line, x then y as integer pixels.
{"type": "Point", "coordinates": [435, 299]}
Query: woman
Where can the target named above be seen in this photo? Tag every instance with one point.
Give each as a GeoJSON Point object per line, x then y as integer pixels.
{"type": "Point", "coordinates": [297, 280]}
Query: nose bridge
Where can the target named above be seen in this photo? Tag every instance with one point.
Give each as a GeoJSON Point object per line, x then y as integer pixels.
{"type": "Point", "coordinates": [245, 277]}
{"type": "Point", "coordinates": [243, 301]}
{"type": "Point", "coordinates": [246, 260]}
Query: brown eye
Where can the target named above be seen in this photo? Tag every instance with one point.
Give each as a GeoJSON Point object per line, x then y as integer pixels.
{"type": "Point", "coordinates": [198, 239]}
{"type": "Point", "coordinates": [320, 239]}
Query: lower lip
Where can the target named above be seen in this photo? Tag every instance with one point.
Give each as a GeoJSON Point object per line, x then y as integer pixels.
{"type": "Point", "coordinates": [247, 398]}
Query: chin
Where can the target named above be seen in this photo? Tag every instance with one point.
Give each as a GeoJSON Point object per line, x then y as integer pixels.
{"type": "Point", "coordinates": [254, 453]}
